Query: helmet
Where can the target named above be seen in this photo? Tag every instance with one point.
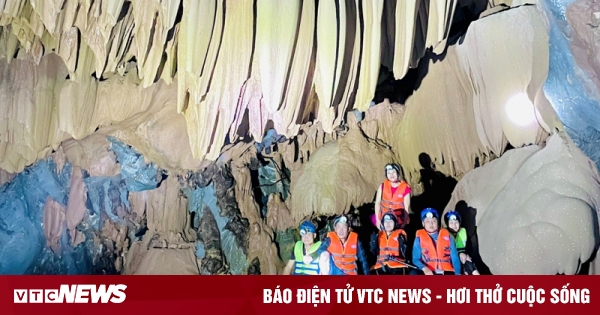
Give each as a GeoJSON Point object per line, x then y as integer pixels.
{"type": "Point", "coordinates": [428, 213]}
{"type": "Point", "coordinates": [392, 166]}
{"type": "Point", "coordinates": [452, 215]}
{"type": "Point", "coordinates": [340, 219]}
{"type": "Point", "coordinates": [389, 217]}
{"type": "Point", "coordinates": [307, 227]}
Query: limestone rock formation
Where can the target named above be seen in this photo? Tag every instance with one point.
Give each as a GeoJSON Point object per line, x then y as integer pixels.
{"type": "Point", "coordinates": [54, 223]}
{"type": "Point", "coordinates": [341, 174]}
{"type": "Point", "coordinates": [99, 40]}
{"type": "Point", "coordinates": [540, 215]}
{"type": "Point", "coordinates": [260, 238]}
{"type": "Point", "coordinates": [471, 121]}
{"type": "Point", "coordinates": [584, 18]}
{"type": "Point", "coordinates": [192, 137]}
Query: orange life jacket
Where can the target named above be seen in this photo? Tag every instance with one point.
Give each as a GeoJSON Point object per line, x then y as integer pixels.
{"type": "Point", "coordinates": [390, 246]}
{"type": "Point", "coordinates": [344, 255]}
{"type": "Point", "coordinates": [435, 256]}
{"type": "Point", "coordinates": [394, 203]}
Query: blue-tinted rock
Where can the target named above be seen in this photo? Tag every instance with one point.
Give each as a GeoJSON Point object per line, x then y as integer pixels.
{"type": "Point", "coordinates": [197, 199]}
{"type": "Point", "coordinates": [137, 174]}
{"type": "Point", "coordinates": [569, 89]}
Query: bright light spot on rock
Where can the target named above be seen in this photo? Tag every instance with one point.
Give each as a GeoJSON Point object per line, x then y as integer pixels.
{"type": "Point", "coordinates": [520, 110]}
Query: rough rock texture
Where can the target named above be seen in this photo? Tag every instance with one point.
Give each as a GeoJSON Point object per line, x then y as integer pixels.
{"type": "Point", "coordinates": [228, 123]}
{"type": "Point", "coordinates": [329, 72]}
{"type": "Point", "coordinates": [341, 174]}
{"type": "Point", "coordinates": [168, 224]}
{"type": "Point", "coordinates": [54, 223]}
{"type": "Point", "coordinates": [261, 237]}
{"type": "Point", "coordinates": [541, 216]}
{"type": "Point", "coordinates": [468, 88]}
{"type": "Point", "coordinates": [150, 257]}
{"type": "Point", "coordinates": [584, 18]}
{"type": "Point", "coordinates": [223, 233]}
{"type": "Point", "coordinates": [76, 206]}
{"type": "Point", "coordinates": [166, 211]}
{"type": "Point", "coordinates": [6, 177]}
{"type": "Point", "coordinates": [570, 86]}
{"type": "Point", "coordinates": [56, 110]}
{"type": "Point", "coordinates": [479, 186]}
{"type": "Point", "coordinates": [91, 154]}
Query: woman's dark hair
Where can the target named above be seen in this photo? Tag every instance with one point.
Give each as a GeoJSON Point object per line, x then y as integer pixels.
{"type": "Point", "coordinates": [395, 167]}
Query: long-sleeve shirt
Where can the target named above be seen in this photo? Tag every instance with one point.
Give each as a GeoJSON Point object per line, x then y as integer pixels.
{"type": "Point", "coordinates": [375, 245]}
{"type": "Point", "coordinates": [416, 253]}
{"type": "Point", "coordinates": [361, 255]}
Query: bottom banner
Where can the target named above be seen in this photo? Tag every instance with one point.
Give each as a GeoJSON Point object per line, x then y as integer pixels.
{"type": "Point", "coordinates": [298, 295]}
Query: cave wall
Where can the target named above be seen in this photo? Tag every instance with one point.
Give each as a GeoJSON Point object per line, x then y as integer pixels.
{"type": "Point", "coordinates": [572, 85]}
{"type": "Point", "coordinates": [157, 156]}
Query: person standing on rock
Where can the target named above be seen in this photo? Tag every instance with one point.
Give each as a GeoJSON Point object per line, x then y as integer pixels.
{"type": "Point", "coordinates": [304, 259]}
{"type": "Point", "coordinates": [393, 196]}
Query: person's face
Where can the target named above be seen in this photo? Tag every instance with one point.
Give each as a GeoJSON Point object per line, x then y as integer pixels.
{"type": "Point", "coordinates": [454, 225]}
{"type": "Point", "coordinates": [392, 175]}
{"type": "Point", "coordinates": [388, 225]}
{"type": "Point", "coordinates": [308, 238]}
{"type": "Point", "coordinates": [430, 224]}
{"type": "Point", "coordinates": [341, 229]}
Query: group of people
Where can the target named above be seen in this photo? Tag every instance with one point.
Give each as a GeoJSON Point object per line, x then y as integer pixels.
{"type": "Point", "coordinates": [435, 251]}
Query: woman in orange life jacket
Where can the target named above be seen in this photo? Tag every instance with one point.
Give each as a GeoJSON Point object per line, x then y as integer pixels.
{"type": "Point", "coordinates": [393, 196]}
{"type": "Point", "coordinates": [434, 250]}
{"type": "Point", "coordinates": [389, 245]}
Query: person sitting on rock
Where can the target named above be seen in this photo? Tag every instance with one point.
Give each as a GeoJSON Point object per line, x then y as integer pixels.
{"type": "Point", "coordinates": [393, 196]}
{"type": "Point", "coordinates": [434, 250]}
{"type": "Point", "coordinates": [389, 245]}
{"type": "Point", "coordinates": [459, 234]}
{"type": "Point", "coordinates": [341, 252]}
{"type": "Point", "coordinates": [304, 259]}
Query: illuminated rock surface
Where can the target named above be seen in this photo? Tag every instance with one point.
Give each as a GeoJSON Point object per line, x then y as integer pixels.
{"type": "Point", "coordinates": [538, 214]}
{"type": "Point", "coordinates": [192, 137]}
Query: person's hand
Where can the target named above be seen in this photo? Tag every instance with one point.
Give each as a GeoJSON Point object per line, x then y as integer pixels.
{"type": "Point", "coordinates": [469, 258]}
{"type": "Point", "coordinates": [307, 259]}
{"type": "Point", "coordinates": [463, 257]}
{"type": "Point", "coordinates": [427, 271]}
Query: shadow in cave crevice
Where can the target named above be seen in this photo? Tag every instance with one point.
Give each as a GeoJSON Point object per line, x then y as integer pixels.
{"type": "Point", "coordinates": [586, 267]}
{"type": "Point", "coordinates": [437, 188]}
{"type": "Point", "coordinates": [469, 222]}
{"type": "Point", "coordinates": [257, 193]}
{"type": "Point", "coordinates": [437, 192]}
{"type": "Point", "coordinates": [366, 230]}
{"type": "Point", "coordinates": [398, 91]}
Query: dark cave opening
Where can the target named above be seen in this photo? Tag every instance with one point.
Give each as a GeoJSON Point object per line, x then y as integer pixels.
{"type": "Point", "coordinates": [398, 91]}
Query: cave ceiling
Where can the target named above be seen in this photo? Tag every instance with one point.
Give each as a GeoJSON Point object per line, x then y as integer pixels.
{"type": "Point", "coordinates": [201, 120]}
{"type": "Point", "coordinates": [180, 79]}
